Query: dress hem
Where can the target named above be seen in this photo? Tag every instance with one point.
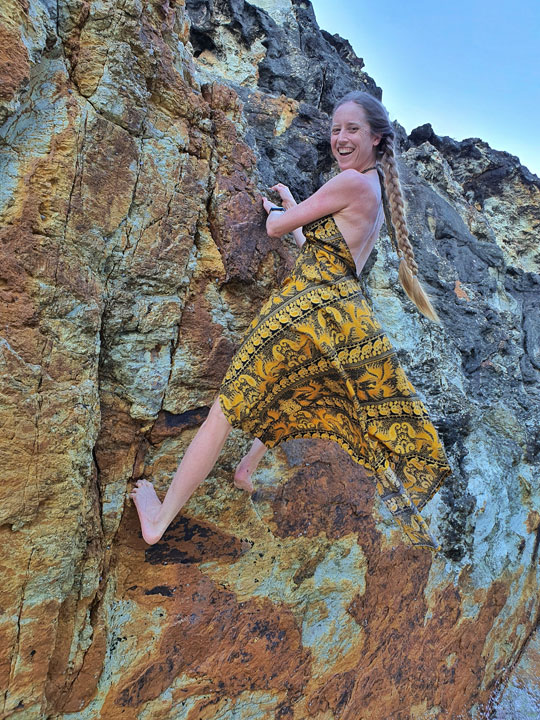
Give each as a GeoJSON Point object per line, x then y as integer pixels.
{"type": "Point", "coordinates": [316, 435]}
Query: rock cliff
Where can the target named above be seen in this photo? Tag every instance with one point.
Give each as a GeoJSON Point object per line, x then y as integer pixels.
{"type": "Point", "coordinates": [135, 140]}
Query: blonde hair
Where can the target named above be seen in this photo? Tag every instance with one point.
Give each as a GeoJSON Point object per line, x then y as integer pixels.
{"type": "Point", "coordinates": [392, 196]}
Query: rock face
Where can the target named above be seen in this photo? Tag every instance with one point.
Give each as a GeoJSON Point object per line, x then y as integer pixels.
{"type": "Point", "coordinates": [135, 138]}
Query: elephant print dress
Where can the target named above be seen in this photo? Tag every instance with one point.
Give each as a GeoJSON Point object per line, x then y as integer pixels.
{"type": "Point", "coordinates": [315, 363]}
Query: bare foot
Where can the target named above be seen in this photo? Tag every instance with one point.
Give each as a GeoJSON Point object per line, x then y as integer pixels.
{"type": "Point", "coordinates": [242, 475]}
{"type": "Point", "coordinates": [148, 506]}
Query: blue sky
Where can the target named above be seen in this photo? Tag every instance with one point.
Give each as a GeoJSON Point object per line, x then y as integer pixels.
{"type": "Point", "coordinates": [471, 68]}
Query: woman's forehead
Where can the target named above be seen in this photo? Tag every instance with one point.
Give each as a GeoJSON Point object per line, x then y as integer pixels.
{"type": "Point", "coordinates": [349, 112]}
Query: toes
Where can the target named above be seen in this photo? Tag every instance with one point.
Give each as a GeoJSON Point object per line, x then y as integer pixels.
{"type": "Point", "coordinates": [139, 485]}
{"type": "Point", "coordinates": [244, 484]}
{"type": "Point", "coordinates": [143, 481]}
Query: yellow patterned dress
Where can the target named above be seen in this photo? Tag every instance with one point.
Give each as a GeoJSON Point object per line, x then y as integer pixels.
{"type": "Point", "coordinates": [315, 363]}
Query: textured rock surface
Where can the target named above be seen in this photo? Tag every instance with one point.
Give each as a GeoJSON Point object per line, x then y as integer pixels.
{"type": "Point", "coordinates": [134, 142]}
{"type": "Point", "coordinates": [521, 698]}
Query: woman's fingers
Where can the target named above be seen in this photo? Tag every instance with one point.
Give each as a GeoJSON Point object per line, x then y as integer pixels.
{"type": "Point", "coordinates": [284, 193]}
{"type": "Point", "coordinates": [266, 204]}
{"type": "Point", "coordinates": [281, 189]}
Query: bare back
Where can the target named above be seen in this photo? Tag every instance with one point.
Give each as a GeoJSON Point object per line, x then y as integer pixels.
{"type": "Point", "coordinates": [360, 226]}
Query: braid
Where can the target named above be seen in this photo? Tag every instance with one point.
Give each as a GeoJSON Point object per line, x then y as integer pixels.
{"type": "Point", "coordinates": [397, 208]}
{"type": "Point", "coordinates": [397, 228]}
{"type": "Point", "coordinates": [393, 202]}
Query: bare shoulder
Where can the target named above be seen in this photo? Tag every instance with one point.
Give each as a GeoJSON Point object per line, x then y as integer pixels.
{"type": "Point", "coordinates": [362, 193]}
{"type": "Point", "coordinates": [356, 183]}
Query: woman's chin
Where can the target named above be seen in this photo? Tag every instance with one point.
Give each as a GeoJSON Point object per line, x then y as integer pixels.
{"type": "Point", "coordinates": [344, 163]}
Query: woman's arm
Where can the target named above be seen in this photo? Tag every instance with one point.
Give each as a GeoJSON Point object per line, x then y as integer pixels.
{"type": "Point", "coordinates": [299, 237]}
{"type": "Point", "coordinates": [347, 188]}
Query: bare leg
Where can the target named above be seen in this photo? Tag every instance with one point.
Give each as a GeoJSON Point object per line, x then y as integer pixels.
{"type": "Point", "coordinates": [248, 464]}
{"type": "Point", "coordinates": [198, 461]}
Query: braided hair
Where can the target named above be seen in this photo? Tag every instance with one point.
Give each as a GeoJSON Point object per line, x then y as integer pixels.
{"type": "Point", "coordinates": [392, 196]}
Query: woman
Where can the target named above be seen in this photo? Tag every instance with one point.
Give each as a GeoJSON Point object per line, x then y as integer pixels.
{"type": "Point", "coordinates": [315, 362]}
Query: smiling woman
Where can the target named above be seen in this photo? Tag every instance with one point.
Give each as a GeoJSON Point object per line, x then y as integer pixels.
{"type": "Point", "coordinates": [315, 363]}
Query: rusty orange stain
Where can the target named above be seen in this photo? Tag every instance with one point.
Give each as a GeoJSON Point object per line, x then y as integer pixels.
{"type": "Point", "coordinates": [460, 292]}
{"type": "Point", "coordinates": [533, 521]}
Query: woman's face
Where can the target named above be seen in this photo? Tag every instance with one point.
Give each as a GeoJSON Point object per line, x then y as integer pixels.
{"type": "Point", "coordinates": [350, 137]}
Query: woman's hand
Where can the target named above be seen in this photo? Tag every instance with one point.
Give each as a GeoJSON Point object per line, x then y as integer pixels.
{"type": "Point", "coordinates": [287, 199]}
